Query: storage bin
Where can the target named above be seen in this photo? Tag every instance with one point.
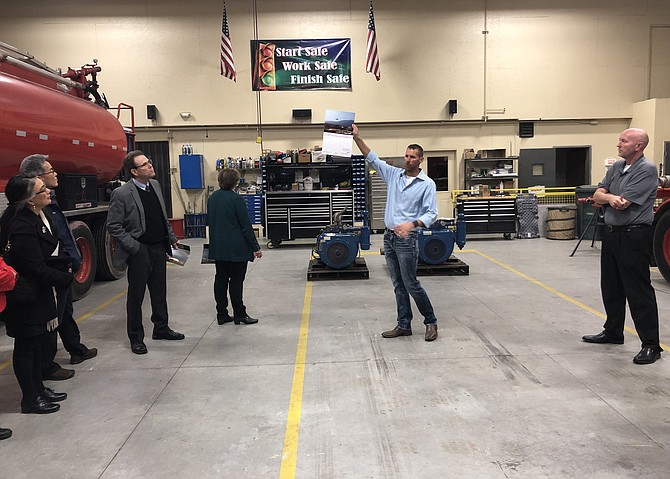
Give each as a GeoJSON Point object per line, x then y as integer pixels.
{"type": "Point", "coordinates": [195, 225]}
{"type": "Point", "coordinates": [561, 222]}
{"type": "Point", "coordinates": [586, 212]}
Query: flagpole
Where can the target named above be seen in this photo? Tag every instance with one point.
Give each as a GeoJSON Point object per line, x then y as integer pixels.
{"type": "Point", "coordinates": [259, 106]}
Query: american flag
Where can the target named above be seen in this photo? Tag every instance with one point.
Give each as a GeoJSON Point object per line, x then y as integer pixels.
{"type": "Point", "coordinates": [371, 56]}
{"type": "Point", "coordinates": [227, 60]}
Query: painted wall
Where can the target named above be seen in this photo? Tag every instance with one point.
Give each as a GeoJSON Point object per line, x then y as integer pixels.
{"type": "Point", "coordinates": [576, 68]}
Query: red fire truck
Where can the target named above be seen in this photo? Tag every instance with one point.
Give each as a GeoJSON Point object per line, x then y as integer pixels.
{"type": "Point", "coordinates": [62, 114]}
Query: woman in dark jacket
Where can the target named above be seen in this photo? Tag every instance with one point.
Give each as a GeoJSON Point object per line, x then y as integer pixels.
{"type": "Point", "coordinates": [232, 244]}
{"type": "Point", "coordinates": [31, 249]}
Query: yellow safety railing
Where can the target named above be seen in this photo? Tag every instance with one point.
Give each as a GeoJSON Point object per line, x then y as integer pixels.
{"type": "Point", "coordinates": [545, 196]}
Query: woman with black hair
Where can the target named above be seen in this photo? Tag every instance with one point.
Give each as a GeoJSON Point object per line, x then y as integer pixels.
{"type": "Point", "coordinates": [31, 248]}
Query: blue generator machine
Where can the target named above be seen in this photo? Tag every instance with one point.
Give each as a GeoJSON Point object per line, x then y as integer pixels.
{"type": "Point", "coordinates": [436, 244]}
{"type": "Point", "coordinates": [337, 245]}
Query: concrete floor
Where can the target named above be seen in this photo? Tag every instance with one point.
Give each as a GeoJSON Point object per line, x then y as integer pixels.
{"type": "Point", "coordinates": [314, 391]}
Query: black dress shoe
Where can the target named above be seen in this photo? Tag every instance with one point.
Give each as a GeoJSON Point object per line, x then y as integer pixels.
{"type": "Point", "coordinates": [223, 319]}
{"type": "Point", "coordinates": [431, 332]}
{"type": "Point", "coordinates": [168, 334]}
{"type": "Point", "coordinates": [5, 433]}
{"type": "Point", "coordinates": [60, 374]}
{"type": "Point", "coordinates": [396, 332]}
{"type": "Point", "coordinates": [49, 395]}
{"type": "Point", "coordinates": [138, 348]}
{"type": "Point", "coordinates": [80, 358]}
{"type": "Point", "coordinates": [603, 338]}
{"type": "Point", "coordinates": [39, 407]}
{"type": "Point", "coordinates": [648, 355]}
{"type": "Point", "coordinates": [245, 320]}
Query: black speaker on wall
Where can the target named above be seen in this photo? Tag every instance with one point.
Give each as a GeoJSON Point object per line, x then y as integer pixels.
{"type": "Point", "coordinates": [302, 114]}
{"type": "Point", "coordinates": [452, 107]}
{"type": "Point", "coordinates": [152, 112]}
{"type": "Point", "coordinates": [526, 129]}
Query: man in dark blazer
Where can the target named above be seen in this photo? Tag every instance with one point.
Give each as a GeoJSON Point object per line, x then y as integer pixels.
{"type": "Point", "coordinates": [137, 220]}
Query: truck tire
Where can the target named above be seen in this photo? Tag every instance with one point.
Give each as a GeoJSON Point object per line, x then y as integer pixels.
{"type": "Point", "coordinates": [106, 244]}
{"type": "Point", "coordinates": [662, 245]}
{"type": "Point", "coordinates": [84, 277]}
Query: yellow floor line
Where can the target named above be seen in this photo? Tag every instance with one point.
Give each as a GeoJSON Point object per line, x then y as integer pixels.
{"type": "Point", "coordinates": [579, 304]}
{"type": "Point", "coordinates": [7, 363]}
{"type": "Point", "coordinates": [290, 452]}
{"type": "Point", "coordinates": [101, 306]}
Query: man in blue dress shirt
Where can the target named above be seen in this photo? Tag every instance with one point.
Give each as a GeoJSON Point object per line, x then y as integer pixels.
{"type": "Point", "coordinates": [411, 203]}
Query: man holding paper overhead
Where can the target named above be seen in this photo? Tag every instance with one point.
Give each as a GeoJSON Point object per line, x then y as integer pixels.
{"type": "Point", "coordinates": [411, 203]}
{"type": "Point", "coordinates": [137, 220]}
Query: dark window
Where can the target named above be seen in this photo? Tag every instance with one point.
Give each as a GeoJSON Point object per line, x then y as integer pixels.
{"type": "Point", "coordinates": [438, 171]}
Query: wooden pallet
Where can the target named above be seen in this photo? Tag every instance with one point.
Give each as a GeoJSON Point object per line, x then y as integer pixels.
{"type": "Point", "coordinates": [356, 270]}
{"type": "Point", "coordinates": [452, 267]}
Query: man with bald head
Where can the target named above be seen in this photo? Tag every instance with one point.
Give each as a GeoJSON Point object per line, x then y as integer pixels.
{"type": "Point", "coordinates": [627, 195]}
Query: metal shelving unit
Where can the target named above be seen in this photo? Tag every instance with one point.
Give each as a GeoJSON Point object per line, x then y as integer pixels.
{"type": "Point", "coordinates": [290, 214]}
{"type": "Point", "coordinates": [483, 171]}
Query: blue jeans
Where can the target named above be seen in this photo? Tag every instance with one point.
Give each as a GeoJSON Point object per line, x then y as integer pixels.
{"type": "Point", "coordinates": [402, 258]}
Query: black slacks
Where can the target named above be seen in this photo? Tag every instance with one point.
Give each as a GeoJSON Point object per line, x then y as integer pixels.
{"type": "Point", "coordinates": [625, 276]}
{"type": "Point", "coordinates": [26, 363]}
{"type": "Point", "coordinates": [48, 347]}
{"type": "Point", "coordinates": [67, 326]}
{"type": "Point", "coordinates": [67, 329]}
{"type": "Point", "coordinates": [229, 278]}
{"type": "Point", "coordinates": [146, 269]}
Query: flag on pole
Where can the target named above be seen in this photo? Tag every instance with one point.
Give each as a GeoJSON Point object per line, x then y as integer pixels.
{"type": "Point", "coordinates": [227, 60]}
{"type": "Point", "coordinates": [371, 56]}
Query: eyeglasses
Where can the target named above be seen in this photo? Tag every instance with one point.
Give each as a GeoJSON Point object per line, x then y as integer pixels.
{"type": "Point", "coordinates": [42, 190]}
{"type": "Point", "coordinates": [148, 162]}
{"type": "Point", "coordinates": [50, 172]}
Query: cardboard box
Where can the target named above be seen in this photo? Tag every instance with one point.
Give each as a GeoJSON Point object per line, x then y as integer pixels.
{"type": "Point", "coordinates": [318, 157]}
{"type": "Point", "coordinates": [304, 158]}
{"type": "Point", "coordinates": [484, 190]}
{"type": "Point", "coordinates": [468, 154]}
{"type": "Point", "coordinates": [496, 153]}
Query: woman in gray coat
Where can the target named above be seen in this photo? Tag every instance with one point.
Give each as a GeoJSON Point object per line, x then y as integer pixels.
{"type": "Point", "coordinates": [232, 244]}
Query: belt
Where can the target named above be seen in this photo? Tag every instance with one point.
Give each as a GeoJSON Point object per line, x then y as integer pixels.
{"type": "Point", "coordinates": [625, 228]}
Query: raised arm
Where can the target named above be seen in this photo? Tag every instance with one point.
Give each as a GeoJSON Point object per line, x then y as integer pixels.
{"type": "Point", "coordinates": [359, 141]}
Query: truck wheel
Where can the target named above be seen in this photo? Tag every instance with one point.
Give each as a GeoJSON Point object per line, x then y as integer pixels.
{"type": "Point", "coordinates": [106, 244]}
{"type": "Point", "coordinates": [662, 245]}
{"type": "Point", "coordinates": [83, 279]}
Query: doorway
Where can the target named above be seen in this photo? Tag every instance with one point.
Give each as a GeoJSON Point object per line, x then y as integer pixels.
{"type": "Point", "coordinates": [438, 171]}
{"type": "Point", "coordinates": [555, 167]}
{"type": "Point", "coordinates": [440, 166]}
{"type": "Point", "coordinates": [159, 153]}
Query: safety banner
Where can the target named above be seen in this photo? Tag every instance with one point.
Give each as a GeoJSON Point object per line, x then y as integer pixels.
{"type": "Point", "coordinates": [280, 65]}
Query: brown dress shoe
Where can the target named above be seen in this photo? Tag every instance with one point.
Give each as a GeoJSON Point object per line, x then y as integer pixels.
{"type": "Point", "coordinates": [397, 331]}
{"type": "Point", "coordinates": [431, 332]}
{"type": "Point", "coordinates": [60, 374]}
